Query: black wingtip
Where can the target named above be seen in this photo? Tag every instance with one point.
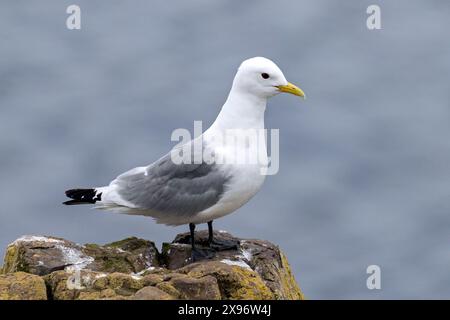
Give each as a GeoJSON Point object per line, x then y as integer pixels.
{"type": "Point", "coordinates": [82, 196]}
{"type": "Point", "coordinates": [74, 202]}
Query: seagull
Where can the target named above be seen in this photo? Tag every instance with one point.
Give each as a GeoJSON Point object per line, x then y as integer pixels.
{"type": "Point", "coordinates": [202, 188]}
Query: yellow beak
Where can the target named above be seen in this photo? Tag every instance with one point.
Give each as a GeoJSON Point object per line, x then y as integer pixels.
{"type": "Point", "coordinates": [292, 89]}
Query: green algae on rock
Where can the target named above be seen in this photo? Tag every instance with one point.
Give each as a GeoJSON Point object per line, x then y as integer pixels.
{"type": "Point", "coordinates": [22, 286]}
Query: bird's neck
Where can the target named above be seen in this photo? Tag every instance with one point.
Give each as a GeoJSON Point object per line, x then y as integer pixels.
{"type": "Point", "coordinates": [241, 111]}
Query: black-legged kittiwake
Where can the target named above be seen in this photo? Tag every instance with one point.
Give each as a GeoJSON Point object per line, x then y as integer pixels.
{"type": "Point", "coordinates": [202, 189]}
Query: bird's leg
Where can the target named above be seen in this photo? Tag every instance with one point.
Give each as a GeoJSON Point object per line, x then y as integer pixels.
{"type": "Point", "coordinates": [210, 232]}
{"type": "Point", "coordinates": [198, 254]}
{"type": "Point", "coordinates": [220, 245]}
{"type": "Point", "coordinates": [192, 230]}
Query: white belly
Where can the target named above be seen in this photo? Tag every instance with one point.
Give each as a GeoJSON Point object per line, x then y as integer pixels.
{"type": "Point", "coordinates": [245, 183]}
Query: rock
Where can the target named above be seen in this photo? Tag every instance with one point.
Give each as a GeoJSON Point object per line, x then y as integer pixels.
{"type": "Point", "coordinates": [197, 288]}
{"type": "Point", "coordinates": [258, 255]}
{"type": "Point", "coordinates": [131, 255]}
{"type": "Point", "coordinates": [22, 286]}
{"type": "Point", "coordinates": [134, 269]}
{"type": "Point", "coordinates": [152, 293]}
{"type": "Point", "coordinates": [86, 284]}
{"type": "Point", "coordinates": [235, 282]}
{"type": "Point", "coordinates": [44, 255]}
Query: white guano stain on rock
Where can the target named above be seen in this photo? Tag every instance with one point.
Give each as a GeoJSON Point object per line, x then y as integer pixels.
{"type": "Point", "coordinates": [72, 257]}
{"type": "Point", "coordinates": [76, 259]}
{"type": "Point", "coordinates": [247, 254]}
{"type": "Point", "coordinates": [138, 275]}
{"type": "Point", "coordinates": [238, 263]}
{"type": "Point", "coordinates": [28, 238]}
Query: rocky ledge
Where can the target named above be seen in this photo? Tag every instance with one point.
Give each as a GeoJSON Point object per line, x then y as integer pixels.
{"type": "Point", "coordinates": [40, 268]}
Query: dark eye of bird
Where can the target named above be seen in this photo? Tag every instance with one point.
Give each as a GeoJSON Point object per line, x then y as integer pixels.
{"type": "Point", "coordinates": [265, 75]}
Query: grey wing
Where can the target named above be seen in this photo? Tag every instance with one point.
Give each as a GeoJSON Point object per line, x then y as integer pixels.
{"type": "Point", "coordinates": [169, 191]}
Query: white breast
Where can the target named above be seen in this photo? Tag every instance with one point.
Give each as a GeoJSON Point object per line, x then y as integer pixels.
{"type": "Point", "coordinates": [246, 177]}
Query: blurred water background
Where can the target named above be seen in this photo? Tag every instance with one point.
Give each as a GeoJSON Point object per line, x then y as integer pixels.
{"type": "Point", "coordinates": [365, 160]}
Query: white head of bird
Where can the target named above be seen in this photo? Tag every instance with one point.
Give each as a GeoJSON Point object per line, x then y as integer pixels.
{"type": "Point", "coordinates": [262, 78]}
{"type": "Point", "coordinates": [256, 80]}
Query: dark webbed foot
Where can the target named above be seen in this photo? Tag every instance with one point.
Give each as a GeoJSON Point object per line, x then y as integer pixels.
{"type": "Point", "coordinates": [220, 244]}
{"type": "Point", "coordinates": [223, 245]}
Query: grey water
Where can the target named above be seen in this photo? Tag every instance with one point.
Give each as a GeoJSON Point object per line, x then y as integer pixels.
{"type": "Point", "coordinates": [364, 162]}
